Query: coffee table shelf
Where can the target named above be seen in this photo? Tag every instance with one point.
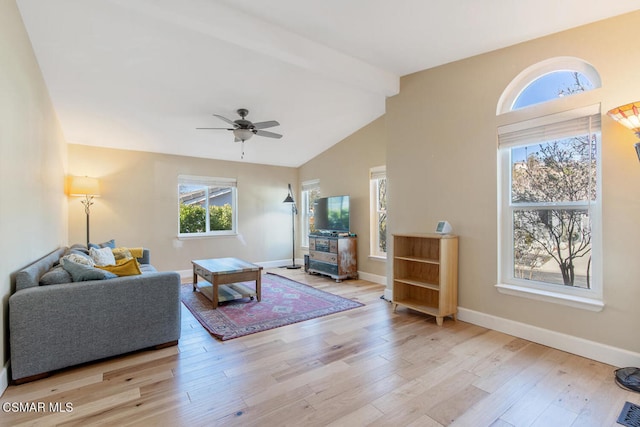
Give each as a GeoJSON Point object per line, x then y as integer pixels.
{"type": "Point", "coordinates": [230, 272]}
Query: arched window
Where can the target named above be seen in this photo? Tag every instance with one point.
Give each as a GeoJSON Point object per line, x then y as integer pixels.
{"type": "Point", "coordinates": [548, 80]}
{"type": "Point", "coordinates": [549, 204]}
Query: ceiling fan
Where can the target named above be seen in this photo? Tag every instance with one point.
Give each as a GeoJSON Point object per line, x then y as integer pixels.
{"type": "Point", "coordinates": [244, 129]}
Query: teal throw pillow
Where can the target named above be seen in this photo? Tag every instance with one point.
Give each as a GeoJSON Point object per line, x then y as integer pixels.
{"type": "Point", "coordinates": [56, 276]}
{"type": "Point", "coordinates": [81, 272]}
{"type": "Point", "coordinates": [109, 244]}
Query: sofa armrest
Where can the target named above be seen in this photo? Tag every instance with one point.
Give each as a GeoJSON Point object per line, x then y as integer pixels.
{"type": "Point", "coordinates": [146, 257]}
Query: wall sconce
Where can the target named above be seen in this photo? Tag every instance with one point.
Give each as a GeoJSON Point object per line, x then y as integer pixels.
{"type": "Point", "coordinates": [88, 188]}
{"type": "Point", "coordinates": [629, 115]}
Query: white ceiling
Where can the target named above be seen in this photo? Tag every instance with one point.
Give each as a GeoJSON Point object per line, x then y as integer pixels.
{"type": "Point", "coordinates": [143, 74]}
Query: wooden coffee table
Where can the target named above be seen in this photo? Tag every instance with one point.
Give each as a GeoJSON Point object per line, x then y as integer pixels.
{"type": "Point", "coordinates": [224, 271]}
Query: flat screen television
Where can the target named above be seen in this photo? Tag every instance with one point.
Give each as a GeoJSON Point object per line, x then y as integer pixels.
{"type": "Point", "coordinates": [331, 214]}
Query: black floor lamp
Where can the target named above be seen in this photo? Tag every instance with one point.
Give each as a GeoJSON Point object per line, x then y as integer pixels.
{"type": "Point", "coordinates": [294, 212]}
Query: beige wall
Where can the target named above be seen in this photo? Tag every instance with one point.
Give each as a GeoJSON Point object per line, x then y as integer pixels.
{"type": "Point", "coordinates": [32, 161]}
{"type": "Point", "coordinates": [441, 161]}
{"type": "Point", "coordinates": [344, 169]}
{"type": "Point", "coordinates": [139, 206]}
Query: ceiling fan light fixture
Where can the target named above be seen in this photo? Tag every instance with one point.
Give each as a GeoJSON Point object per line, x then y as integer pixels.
{"type": "Point", "coordinates": [242, 134]}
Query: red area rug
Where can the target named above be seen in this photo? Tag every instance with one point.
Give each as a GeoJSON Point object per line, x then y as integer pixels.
{"type": "Point", "coordinates": [284, 302]}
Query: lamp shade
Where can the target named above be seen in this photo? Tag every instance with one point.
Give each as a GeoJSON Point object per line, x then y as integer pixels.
{"type": "Point", "coordinates": [289, 199]}
{"type": "Point", "coordinates": [84, 186]}
{"type": "Point", "coordinates": [242, 134]}
{"type": "Point", "coordinates": [628, 115]}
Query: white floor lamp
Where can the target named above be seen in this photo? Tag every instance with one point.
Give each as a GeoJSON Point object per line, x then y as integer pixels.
{"type": "Point", "coordinates": [294, 212]}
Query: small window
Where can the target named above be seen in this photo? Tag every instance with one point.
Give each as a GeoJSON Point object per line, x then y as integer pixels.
{"type": "Point", "coordinates": [207, 206]}
{"type": "Point", "coordinates": [378, 223]}
{"type": "Point", "coordinates": [310, 193]}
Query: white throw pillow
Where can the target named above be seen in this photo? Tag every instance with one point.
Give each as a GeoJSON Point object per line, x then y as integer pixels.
{"type": "Point", "coordinates": [102, 256]}
{"type": "Point", "coordinates": [79, 259]}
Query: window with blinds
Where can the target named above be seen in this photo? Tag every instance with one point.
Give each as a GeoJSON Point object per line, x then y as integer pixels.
{"type": "Point", "coordinates": [550, 201]}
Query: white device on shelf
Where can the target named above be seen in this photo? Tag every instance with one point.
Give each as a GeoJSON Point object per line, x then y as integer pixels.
{"type": "Point", "coordinates": [443, 227]}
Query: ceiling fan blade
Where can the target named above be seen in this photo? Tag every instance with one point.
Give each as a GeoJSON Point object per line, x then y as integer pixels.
{"type": "Point", "coordinates": [268, 134]}
{"type": "Point", "coordinates": [231, 122]}
{"type": "Point", "coordinates": [216, 128]}
{"type": "Point", "coordinates": [264, 125]}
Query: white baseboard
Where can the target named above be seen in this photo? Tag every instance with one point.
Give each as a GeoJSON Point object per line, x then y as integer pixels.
{"type": "Point", "coordinates": [375, 278]}
{"type": "Point", "coordinates": [590, 349]}
{"type": "Point", "coordinates": [4, 378]}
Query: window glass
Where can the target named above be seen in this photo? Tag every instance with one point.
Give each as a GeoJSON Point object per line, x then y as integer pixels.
{"type": "Point", "coordinates": [310, 193]}
{"type": "Point", "coordinates": [553, 185]}
{"type": "Point", "coordinates": [551, 86]}
{"type": "Point", "coordinates": [207, 206]}
{"type": "Point", "coordinates": [378, 223]}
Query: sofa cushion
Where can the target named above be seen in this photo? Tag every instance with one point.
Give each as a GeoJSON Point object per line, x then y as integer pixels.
{"type": "Point", "coordinates": [121, 253]}
{"type": "Point", "coordinates": [81, 272]}
{"type": "Point", "coordinates": [80, 248]}
{"type": "Point", "coordinates": [80, 258]}
{"type": "Point", "coordinates": [124, 268]}
{"type": "Point", "coordinates": [102, 256]}
{"type": "Point", "coordinates": [56, 276]}
{"type": "Point", "coordinates": [147, 268]}
{"type": "Point", "coordinates": [108, 244]}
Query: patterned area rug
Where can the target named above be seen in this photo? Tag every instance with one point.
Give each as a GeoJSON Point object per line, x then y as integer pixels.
{"type": "Point", "coordinates": [284, 302]}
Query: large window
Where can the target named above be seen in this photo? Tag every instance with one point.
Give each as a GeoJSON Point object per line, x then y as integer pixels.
{"type": "Point", "coordinates": [550, 232]}
{"type": "Point", "coordinates": [310, 193]}
{"type": "Point", "coordinates": [378, 210]}
{"type": "Point", "coordinates": [207, 206]}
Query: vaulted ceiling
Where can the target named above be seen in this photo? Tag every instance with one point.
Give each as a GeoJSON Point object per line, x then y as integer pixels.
{"type": "Point", "coordinates": [144, 74]}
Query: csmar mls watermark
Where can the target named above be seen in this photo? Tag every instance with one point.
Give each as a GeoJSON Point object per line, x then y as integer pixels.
{"type": "Point", "coordinates": [37, 407]}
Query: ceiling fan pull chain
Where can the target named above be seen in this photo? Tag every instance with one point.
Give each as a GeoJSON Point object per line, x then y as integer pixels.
{"type": "Point", "coordinates": [242, 147]}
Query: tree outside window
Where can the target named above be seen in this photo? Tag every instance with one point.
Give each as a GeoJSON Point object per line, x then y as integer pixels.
{"type": "Point", "coordinates": [550, 203]}
{"type": "Point", "coordinates": [551, 193]}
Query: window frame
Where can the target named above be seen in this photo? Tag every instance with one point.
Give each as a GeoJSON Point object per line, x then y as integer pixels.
{"type": "Point", "coordinates": [206, 182]}
{"type": "Point", "coordinates": [584, 103]}
{"type": "Point", "coordinates": [375, 175]}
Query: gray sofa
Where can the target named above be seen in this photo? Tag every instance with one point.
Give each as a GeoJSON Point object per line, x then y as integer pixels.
{"type": "Point", "coordinates": [57, 326]}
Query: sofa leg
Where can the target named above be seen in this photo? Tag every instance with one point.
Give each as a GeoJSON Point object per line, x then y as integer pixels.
{"type": "Point", "coordinates": [165, 345]}
{"type": "Point", "coordinates": [31, 378]}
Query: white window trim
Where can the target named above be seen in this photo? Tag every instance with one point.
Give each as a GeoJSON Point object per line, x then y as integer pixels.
{"type": "Point", "coordinates": [374, 174]}
{"type": "Point", "coordinates": [587, 299]}
{"type": "Point", "coordinates": [212, 181]}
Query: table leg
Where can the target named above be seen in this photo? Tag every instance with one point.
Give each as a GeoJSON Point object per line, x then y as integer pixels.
{"type": "Point", "coordinates": [259, 286]}
{"type": "Point", "coordinates": [195, 279]}
{"type": "Point", "coordinates": [214, 298]}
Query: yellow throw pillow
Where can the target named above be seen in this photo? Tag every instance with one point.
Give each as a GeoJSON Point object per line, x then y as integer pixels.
{"type": "Point", "coordinates": [121, 253]}
{"type": "Point", "coordinates": [127, 267]}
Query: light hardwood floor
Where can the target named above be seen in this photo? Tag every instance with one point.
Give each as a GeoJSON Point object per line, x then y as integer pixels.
{"type": "Point", "coordinates": [367, 366]}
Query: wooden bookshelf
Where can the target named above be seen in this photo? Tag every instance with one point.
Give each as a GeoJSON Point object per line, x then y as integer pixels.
{"type": "Point", "coordinates": [425, 274]}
